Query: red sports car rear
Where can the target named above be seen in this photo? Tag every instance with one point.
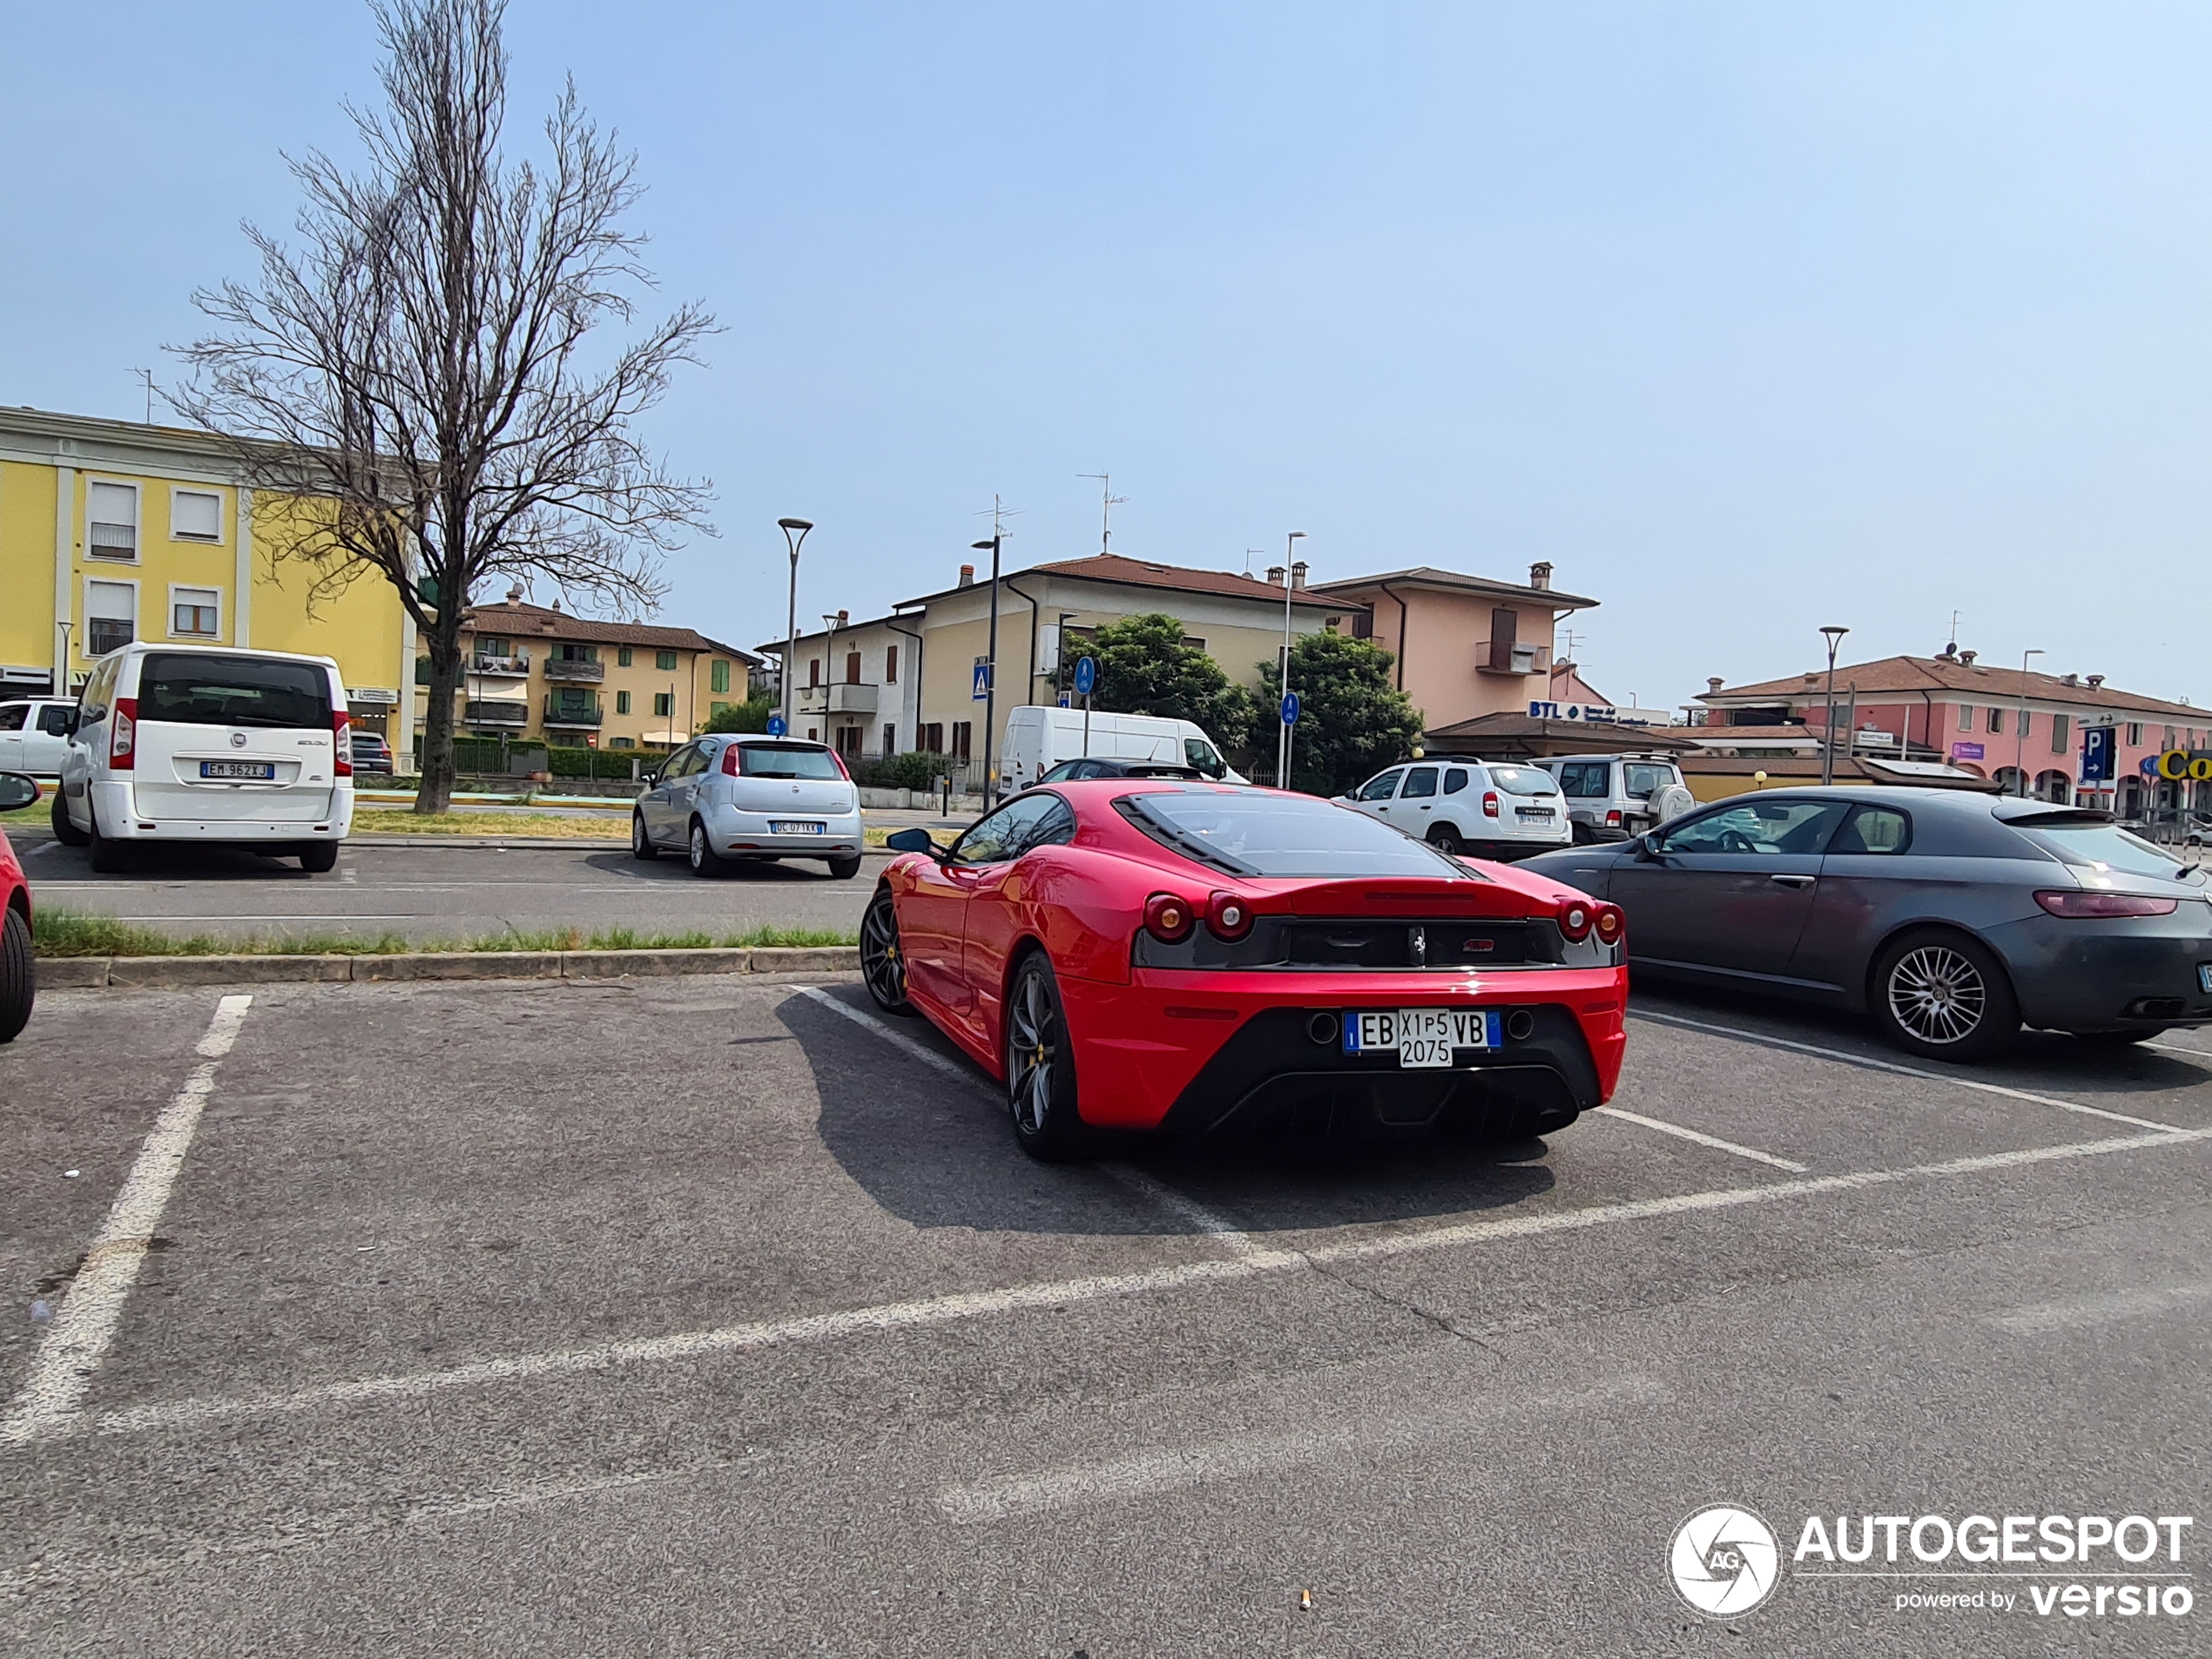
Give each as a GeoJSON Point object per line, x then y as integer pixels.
{"type": "Point", "coordinates": [1190, 957]}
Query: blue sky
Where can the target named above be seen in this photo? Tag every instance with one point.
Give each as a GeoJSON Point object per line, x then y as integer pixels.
{"type": "Point", "coordinates": [1748, 317]}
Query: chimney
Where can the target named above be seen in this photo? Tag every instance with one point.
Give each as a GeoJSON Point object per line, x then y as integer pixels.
{"type": "Point", "coordinates": [843, 618]}
{"type": "Point", "coordinates": [967, 575]}
{"type": "Point", "coordinates": [1713, 686]}
{"type": "Point", "coordinates": [1967, 657]}
{"type": "Point", "coordinates": [2095, 682]}
{"type": "Point", "coordinates": [515, 593]}
{"type": "Point", "coordinates": [1539, 575]}
{"type": "Point", "coordinates": [2070, 679]}
{"type": "Point", "coordinates": [557, 607]}
{"type": "Point", "coordinates": [1298, 574]}
{"type": "Point", "coordinates": [1274, 576]}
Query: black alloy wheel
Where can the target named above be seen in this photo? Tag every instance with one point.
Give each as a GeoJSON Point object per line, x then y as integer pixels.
{"type": "Point", "coordinates": [1040, 1066]}
{"type": "Point", "coordinates": [883, 961]}
{"type": "Point", "coordinates": [1944, 996]}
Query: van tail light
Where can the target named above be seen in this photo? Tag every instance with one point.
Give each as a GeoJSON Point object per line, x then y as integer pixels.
{"type": "Point", "coordinates": [1169, 918]}
{"type": "Point", "coordinates": [1613, 819]}
{"type": "Point", "coordinates": [1228, 916]}
{"type": "Point", "coordinates": [123, 735]}
{"type": "Point", "coordinates": [1489, 803]}
{"type": "Point", "coordinates": [2105, 904]}
{"type": "Point", "coordinates": [1610, 924]}
{"type": "Point", "coordinates": [1576, 917]}
{"type": "Point", "coordinates": [342, 757]}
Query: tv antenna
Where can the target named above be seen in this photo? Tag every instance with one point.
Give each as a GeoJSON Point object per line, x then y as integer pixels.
{"type": "Point", "coordinates": [1106, 511]}
{"type": "Point", "coordinates": [999, 512]}
{"type": "Point", "coordinates": [1251, 553]}
{"type": "Point", "coordinates": [146, 375]}
{"type": "Point", "coordinates": [1952, 650]}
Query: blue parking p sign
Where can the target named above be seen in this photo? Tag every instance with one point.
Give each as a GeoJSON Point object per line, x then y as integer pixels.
{"type": "Point", "coordinates": [2100, 752]}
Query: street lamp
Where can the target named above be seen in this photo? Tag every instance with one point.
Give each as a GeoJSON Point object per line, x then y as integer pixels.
{"type": "Point", "coordinates": [791, 634]}
{"type": "Point", "coordinates": [991, 667]}
{"type": "Point", "coordinates": [1282, 678]}
{"type": "Point", "coordinates": [2019, 729]}
{"type": "Point", "coordinates": [1834, 636]}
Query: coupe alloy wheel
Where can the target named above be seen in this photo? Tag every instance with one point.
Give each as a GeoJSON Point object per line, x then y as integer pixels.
{"type": "Point", "coordinates": [883, 963]}
{"type": "Point", "coordinates": [1937, 994]}
{"type": "Point", "coordinates": [1032, 1048]}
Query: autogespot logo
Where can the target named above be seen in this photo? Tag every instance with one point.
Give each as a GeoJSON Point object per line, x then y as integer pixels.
{"type": "Point", "coordinates": [1725, 1561]}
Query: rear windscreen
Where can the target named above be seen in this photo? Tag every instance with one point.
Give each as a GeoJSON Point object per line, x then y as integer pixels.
{"type": "Point", "coordinates": [189, 689]}
{"type": "Point", "coordinates": [2105, 847]}
{"type": "Point", "coordinates": [786, 760]}
{"type": "Point", "coordinates": [1524, 781]}
{"type": "Point", "coordinates": [1281, 835]}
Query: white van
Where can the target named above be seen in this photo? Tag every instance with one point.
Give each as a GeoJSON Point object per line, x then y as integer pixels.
{"type": "Point", "coordinates": [206, 744]}
{"type": "Point", "coordinates": [1037, 739]}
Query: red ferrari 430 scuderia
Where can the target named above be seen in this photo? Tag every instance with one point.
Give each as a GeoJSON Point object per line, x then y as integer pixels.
{"type": "Point", "coordinates": [1181, 957]}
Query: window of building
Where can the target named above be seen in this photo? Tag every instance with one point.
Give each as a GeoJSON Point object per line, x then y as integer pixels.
{"type": "Point", "coordinates": [2059, 724]}
{"type": "Point", "coordinates": [664, 703]}
{"type": "Point", "coordinates": [852, 668]}
{"type": "Point", "coordinates": [2135, 733]}
{"type": "Point", "coordinates": [890, 664]}
{"type": "Point", "coordinates": [933, 738]}
{"type": "Point", "coordinates": [110, 615]}
{"type": "Point", "coordinates": [848, 741]}
{"type": "Point", "coordinates": [2028, 723]}
{"type": "Point", "coordinates": [195, 613]}
{"type": "Point", "coordinates": [1363, 625]}
{"type": "Point", "coordinates": [623, 655]}
{"type": "Point", "coordinates": [890, 741]}
{"type": "Point", "coordinates": [961, 730]}
{"type": "Point", "coordinates": [664, 660]}
{"type": "Point", "coordinates": [718, 675]}
{"type": "Point", "coordinates": [2170, 737]}
{"type": "Point", "coordinates": [1965, 716]}
{"type": "Point", "coordinates": [1997, 720]}
{"type": "Point", "coordinates": [622, 743]}
{"type": "Point", "coordinates": [195, 515]}
{"type": "Point", "coordinates": [569, 653]}
{"type": "Point", "coordinates": [622, 702]}
{"type": "Point", "coordinates": [111, 520]}
{"type": "Point", "coordinates": [814, 671]}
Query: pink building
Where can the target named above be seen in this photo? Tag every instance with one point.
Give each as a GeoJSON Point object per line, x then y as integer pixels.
{"type": "Point", "coordinates": [2022, 729]}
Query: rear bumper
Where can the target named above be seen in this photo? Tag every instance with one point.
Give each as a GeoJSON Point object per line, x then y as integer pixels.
{"type": "Point", "coordinates": [737, 834]}
{"type": "Point", "coordinates": [1197, 1052]}
{"type": "Point", "coordinates": [2085, 975]}
{"type": "Point", "coordinates": [121, 821]}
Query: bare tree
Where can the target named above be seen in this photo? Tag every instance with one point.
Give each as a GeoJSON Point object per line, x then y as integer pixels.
{"type": "Point", "coordinates": [420, 374]}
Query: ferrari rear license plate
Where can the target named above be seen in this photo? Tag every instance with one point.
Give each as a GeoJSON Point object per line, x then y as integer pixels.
{"type": "Point", "coordinates": [259, 771]}
{"type": "Point", "coordinates": [798, 829]}
{"type": "Point", "coordinates": [1422, 1037]}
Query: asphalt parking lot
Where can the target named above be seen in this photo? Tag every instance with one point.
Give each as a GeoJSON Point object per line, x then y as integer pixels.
{"type": "Point", "coordinates": [695, 1317]}
{"type": "Point", "coordinates": [426, 894]}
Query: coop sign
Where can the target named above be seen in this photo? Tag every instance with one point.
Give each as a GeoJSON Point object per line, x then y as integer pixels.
{"type": "Point", "coordinates": [2185, 763]}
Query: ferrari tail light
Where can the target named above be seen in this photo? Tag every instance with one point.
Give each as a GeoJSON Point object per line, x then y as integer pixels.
{"type": "Point", "coordinates": [1169, 918]}
{"type": "Point", "coordinates": [341, 754]}
{"type": "Point", "coordinates": [1489, 803]}
{"type": "Point", "coordinates": [1576, 917]}
{"type": "Point", "coordinates": [123, 735]}
{"type": "Point", "coordinates": [2105, 904]}
{"type": "Point", "coordinates": [1228, 916]}
{"type": "Point", "coordinates": [1610, 924]}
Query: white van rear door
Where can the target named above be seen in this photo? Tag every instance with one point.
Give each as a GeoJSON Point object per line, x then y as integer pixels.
{"type": "Point", "coordinates": [243, 738]}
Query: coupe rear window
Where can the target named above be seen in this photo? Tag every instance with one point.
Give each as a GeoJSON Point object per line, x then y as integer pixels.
{"type": "Point", "coordinates": [786, 760]}
{"type": "Point", "coordinates": [1524, 781]}
{"type": "Point", "coordinates": [1281, 835]}
{"type": "Point", "coordinates": [189, 689]}
{"type": "Point", "coordinates": [2105, 847]}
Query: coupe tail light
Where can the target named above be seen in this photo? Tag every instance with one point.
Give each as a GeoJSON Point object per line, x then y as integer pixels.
{"type": "Point", "coordinates": [1613, 819]}
{"type": "Point", "coordinates": [1576, 917]}
{"type": "Point", "coordinates": [1610, 924]}
{"type": "Point", "coordinates": [2105, 904]}
{"type": "Point", "coordinates": [1489, 803]}
{"type": "Point", "coordinates": [1169, 918]}
{"type": "Point", "coordinates": [1227, 916]}
{"type": "Point", "coordinates": [123, 735]}
{"type": "Point", "coordinates": [342, 758]}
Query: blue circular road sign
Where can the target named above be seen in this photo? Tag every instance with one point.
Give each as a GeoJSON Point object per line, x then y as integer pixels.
{"type": "Point", "coordinates": [776, 726]}
{"type": "Point", "coordinates": [1290, 708]}
{"type": "Point", "coordinates": [1086, 675]}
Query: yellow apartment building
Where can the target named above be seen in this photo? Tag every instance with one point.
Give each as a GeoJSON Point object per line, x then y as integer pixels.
{"type": "Point", "coordinates": [112, 531]}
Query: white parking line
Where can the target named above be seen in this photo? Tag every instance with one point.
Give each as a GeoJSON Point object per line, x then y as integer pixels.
{"type": "Point", "coordinates": [1871, 1064]}
{"type": "Point", "coordinates": [78, 1338]}
{"type": "Point", "coordinates": [1713, 1140]}
{"type": "Point", "coordinates": [896, 1038]}
{"type": "Point", "coordinates": [1227, 1234]}
{"type": "Point", "coordinates": [2038, 1318]}
{"type": "Point", "coordinates": [945, 1309]}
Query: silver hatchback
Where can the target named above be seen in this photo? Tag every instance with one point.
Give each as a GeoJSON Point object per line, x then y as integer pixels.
{"type": "Point", "coordinates": [724, 800]}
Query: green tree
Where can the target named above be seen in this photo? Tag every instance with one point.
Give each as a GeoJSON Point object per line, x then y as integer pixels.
{"type": "Point", "coordinates": [1144, 667]}
{"type": "Point", "coordinates": [1352, 720]}
{"type": "Point", "coordinates": [752, 715]}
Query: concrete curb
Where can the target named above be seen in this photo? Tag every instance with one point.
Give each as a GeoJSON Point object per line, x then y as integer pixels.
{"type": "Point", "coordinates": [177, 972]}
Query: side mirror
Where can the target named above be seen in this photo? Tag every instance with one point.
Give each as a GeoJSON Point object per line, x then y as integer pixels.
{"type": "Point", "coordinates": [914, 840]}
{"type": "Point", "coordinates": [649, 779]}
{"type": "Point", "coordinates": [76, 719]}
{"type": "Point", "coordinates": [16, 789]}
{"type": "Point", "coordinates": [1641, 850]}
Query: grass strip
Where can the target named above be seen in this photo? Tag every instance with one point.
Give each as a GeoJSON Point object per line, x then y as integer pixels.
{"type": "Point", "coordinates": [59, 931]}
{"type": "Point", "coordinates": [550, 826]}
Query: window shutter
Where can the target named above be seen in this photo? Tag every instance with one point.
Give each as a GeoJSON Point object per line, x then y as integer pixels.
{"type": "Point", "coordinates": [1505, 626]}
{"type": "Point", "coordinates": [111, 513]}
{"type": "Point", "coordinates": [195, 515]}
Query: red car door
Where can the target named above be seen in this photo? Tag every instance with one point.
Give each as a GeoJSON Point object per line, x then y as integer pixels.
{"type": "Point", "coordinates": [932, 919]}
{"type": "Point", "coordinates": [996, 903]}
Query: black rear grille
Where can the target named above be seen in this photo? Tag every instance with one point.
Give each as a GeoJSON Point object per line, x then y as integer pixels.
{"type": "Point", "coordinates": [1312, 942]}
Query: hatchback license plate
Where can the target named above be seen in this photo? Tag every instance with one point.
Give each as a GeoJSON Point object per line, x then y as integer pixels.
{"type": "Point", "coordinates": [798, 829]}
{"type": "Point", "coordinates": [253, 771]}
{"type": "Point", "coordinates": [1422, 1037]}
{"type": "Point", "coordinates": [2204, 977]}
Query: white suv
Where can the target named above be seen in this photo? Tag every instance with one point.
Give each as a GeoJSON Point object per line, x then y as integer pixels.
{"type": "Point", "coordinates": [1486, 809]}
{"type": "Point", "coordinates": [1611, 798]}
{"type": "Point", "coordinates": [208, 744]}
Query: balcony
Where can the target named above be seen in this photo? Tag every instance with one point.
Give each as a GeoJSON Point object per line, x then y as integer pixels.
{"type": "Point", "coordinates": [841, 698]}
{"type": "Point", "coordinates": [1504, 656]}
{"type": "Point", "coordinates": [575, 670]}
{"type": "Point", "coordinates": [496, 711]}
{"type": "Point", "coordinates": [515, 667]}
{"type": "Point", "coordinates": [573, 713]}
